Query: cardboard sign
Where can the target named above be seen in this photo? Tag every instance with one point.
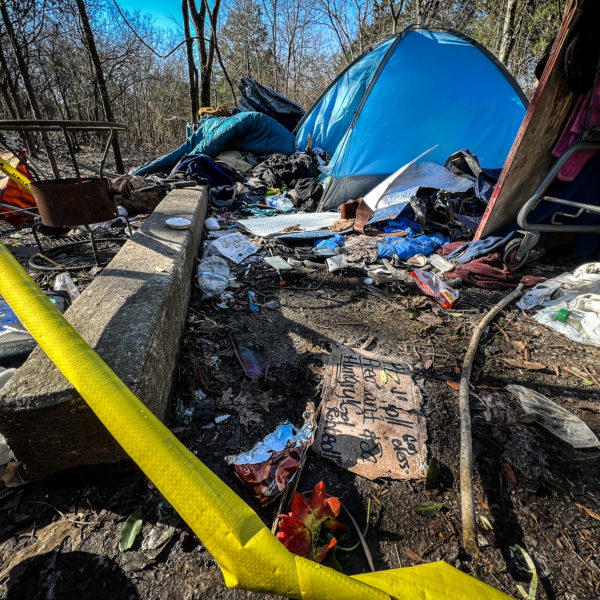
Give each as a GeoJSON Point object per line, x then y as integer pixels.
{"type": "Point", "coordinates": [371, 422]}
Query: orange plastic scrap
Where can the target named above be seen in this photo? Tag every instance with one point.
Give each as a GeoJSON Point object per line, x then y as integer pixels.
{"type": "Point", "coordinates": [12, 193]}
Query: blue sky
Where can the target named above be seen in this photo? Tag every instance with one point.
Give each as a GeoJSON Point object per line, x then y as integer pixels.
{"type": "Point", "coordinates": [163, 11]}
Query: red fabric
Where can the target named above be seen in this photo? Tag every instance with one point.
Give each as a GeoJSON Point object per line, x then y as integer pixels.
{"type": "Point", "coordinates": [491, 273]}
{"type": "Point", "coordinates": [449, 248]}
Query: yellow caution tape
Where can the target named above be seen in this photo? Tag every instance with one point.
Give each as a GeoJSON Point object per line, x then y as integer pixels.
{"type": "Point", "coordinates": [249, 556]}
{"type": "Point", "coordinates": [15, 175]}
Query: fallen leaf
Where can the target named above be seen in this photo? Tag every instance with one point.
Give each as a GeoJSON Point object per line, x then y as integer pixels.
{"type": "Point", "coordinates": [453, 384]}
{"type": "Point", "coordinates": [510, 473]}
{"type": "Point", "coordinates": [131, 529]}
{"type": "Point", "coordinates": [413, 556]}
{"type": "Point", "coordinates": [428, 364]}
{"type": "Point", "coordinates": [486, 523]}
{"type": "Point", "coordinates": [428, 509]}
{"type": "Point", "coordinates": [524, 364]}
{"type": "Point", "coordinates": [589, 512]}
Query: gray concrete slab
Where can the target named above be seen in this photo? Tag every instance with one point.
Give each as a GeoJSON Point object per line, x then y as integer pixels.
{"type": "Point", "coordinates": [133, 315]}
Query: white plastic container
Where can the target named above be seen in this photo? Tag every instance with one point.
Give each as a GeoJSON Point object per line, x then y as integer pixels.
{"type": "Point", "coordinates": [212, 276]}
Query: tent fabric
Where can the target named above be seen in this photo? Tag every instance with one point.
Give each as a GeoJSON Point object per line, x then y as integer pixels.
{"type": "Point", "coordinates": [12, 193]}
{"type": "Point", "coordinates": [247, 132]}
{"type": "Point", "coordinates": [253, 96]}
{"type": "Point", "coordinates": [420, 89]}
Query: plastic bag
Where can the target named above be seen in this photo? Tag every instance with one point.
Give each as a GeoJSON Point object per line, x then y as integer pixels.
{"type": "Point", "coordinates": [432, 285]}
{"type": "Point", "coordinates": [585, 329]}
{"type": "Point", "coordinates": [554, 418]}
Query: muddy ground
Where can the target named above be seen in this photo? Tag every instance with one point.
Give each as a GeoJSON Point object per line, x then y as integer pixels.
{"type": "Point", "coordinates": [59, 538]}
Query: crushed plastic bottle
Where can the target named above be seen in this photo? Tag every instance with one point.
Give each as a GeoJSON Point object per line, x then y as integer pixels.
{"type": "Point", "coordinates": [432, 285]}
{"type": "Point", "coordinates": [64, 282]}
{"type": "Point", "coordinates": [572, 318]}
{"type": "Point", "coordinates": [281, 202]}
{"type": "Point", "coordinates": [212, 276]}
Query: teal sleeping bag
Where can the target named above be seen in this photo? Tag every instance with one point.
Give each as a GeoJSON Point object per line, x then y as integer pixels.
{"type": "Point", "coordinates": [247, 132]}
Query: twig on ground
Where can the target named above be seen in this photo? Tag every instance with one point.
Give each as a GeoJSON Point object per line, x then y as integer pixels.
{"type": "Point", "coordinates": [469, 533]}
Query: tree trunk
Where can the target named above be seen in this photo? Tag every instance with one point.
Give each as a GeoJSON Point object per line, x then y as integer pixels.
{"type": "Point", "coordinates": [192, 69]}
{"type": "Point", "coordinates": [100, 81]}
{"type": "Point", "coordinates": [507, 41]}
{"type": "Point", "coordinates": [35, 107]}
{"type": "Point", "coordinates": [199, 21]}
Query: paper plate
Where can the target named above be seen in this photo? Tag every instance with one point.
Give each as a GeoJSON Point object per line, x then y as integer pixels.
{"type": "Point", "coordinates": [178, 223]}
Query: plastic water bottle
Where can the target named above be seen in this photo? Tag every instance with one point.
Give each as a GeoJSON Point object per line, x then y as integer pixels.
{"type": "Point", "coordinates": [572, 318]}
{"type": "Point", "coordinates": [212, 276]}
{"type": "Point", "coordinates": [64, 282]}
{"type": "Point", "coordinates": [281, 203]}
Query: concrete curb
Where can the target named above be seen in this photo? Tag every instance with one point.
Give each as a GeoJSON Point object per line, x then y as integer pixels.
{"type": "Point", "coordinates": [133, 315]}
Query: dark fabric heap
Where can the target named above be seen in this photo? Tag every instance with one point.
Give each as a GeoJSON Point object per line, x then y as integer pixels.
{"type": "Point", "coordinates": [297, 172]}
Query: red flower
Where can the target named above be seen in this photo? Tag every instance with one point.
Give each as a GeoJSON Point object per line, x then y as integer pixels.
{"type": "Point", "coordinates": [299, 531]}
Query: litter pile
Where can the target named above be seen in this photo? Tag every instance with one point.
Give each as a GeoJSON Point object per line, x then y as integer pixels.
{"type": "Point", "coordinates": [389, 241]}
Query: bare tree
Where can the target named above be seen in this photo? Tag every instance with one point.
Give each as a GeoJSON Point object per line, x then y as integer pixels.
{"type": "Point", "coordinates": [25, 78]}
{"type": "Point", "coordinates": [100, 80]}
{"type": "Point", "coordinates": [192, 69]}
{"type": "Point", "coordinates": [507, 40]}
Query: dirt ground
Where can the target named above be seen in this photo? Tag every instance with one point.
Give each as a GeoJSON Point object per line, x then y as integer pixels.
{"type": "Point", "coordinates": [59, 538]}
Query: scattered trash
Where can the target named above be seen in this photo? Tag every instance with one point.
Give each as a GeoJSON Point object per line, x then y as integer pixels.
{"type": "Point", "coordinates": [282, 203]}
{"type": "Point", "coordinates": [336, 263]}
{"type": "Point", "coordinates": [309, 529]}
{"type": "Point", "coordinates": [329, 246]}
{"type": "Point", "coordinates": [371, 424]}
{"type": "Point", "coordinates": [212, 276]}
{"type": "Point", "coordinates": [178, 223]}
{"type": "Point", "coordinates": [253, 364]}
{"type": "Point", "coordinates": [272, 464]}
{"type": "Point", "coordinates": [578, 319]}
{"type": "Point", "coordinates": [554, 418]}
{"type": "Point", "coordinates": [272, 304]}
{"type": "Point", "coordinates": [221, 418]}
{"type": "Point", "coordinates": [63, 282]}
{"type": "Point", "coordinates": [307, 222]}
{"type": "Point", "coordinates": [252, 300]}
{"type": "Point", "coordinates": [131, 529]}
{"type": "Point", "coordinates": [433, 286]}
{"type": "Point", "coordinates": [212, 224]}
{"type": "Point", "coordinates": [563, 288]}
{"type": "Point", "coordinates": [440, 263]}
{"type": "Point", "coordinates": [278, 263]}
{"type": "Point", "coordinates": [235, 247]}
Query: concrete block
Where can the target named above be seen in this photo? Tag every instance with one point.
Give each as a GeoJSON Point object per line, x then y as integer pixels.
{"type": "Point", "coordinates": [133, 315]}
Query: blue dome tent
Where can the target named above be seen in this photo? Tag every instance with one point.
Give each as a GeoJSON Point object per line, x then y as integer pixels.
{"type": "Point", "coordinates": [419, 89]}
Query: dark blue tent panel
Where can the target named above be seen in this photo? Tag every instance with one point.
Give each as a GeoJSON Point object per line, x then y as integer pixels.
{"type": "Point", "coordinates": [252, 96]}
{"type": "Point", "coordinates": [417, 90]}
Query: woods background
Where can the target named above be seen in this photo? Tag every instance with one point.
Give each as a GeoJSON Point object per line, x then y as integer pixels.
{"type": "Point", "coordinates": [91, 60]}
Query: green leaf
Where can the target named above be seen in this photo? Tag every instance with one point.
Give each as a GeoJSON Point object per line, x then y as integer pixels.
{"type": "Point", "coordinates": [530, 595]}
{"type": "Point", "coordinates": [131, 530]}
{"type": "Point", "coordinates": [433, 475]}
{"type": "Point", "coordinates": [486, 523]}
{"type": "Point", "coordinates": [428, 509]}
